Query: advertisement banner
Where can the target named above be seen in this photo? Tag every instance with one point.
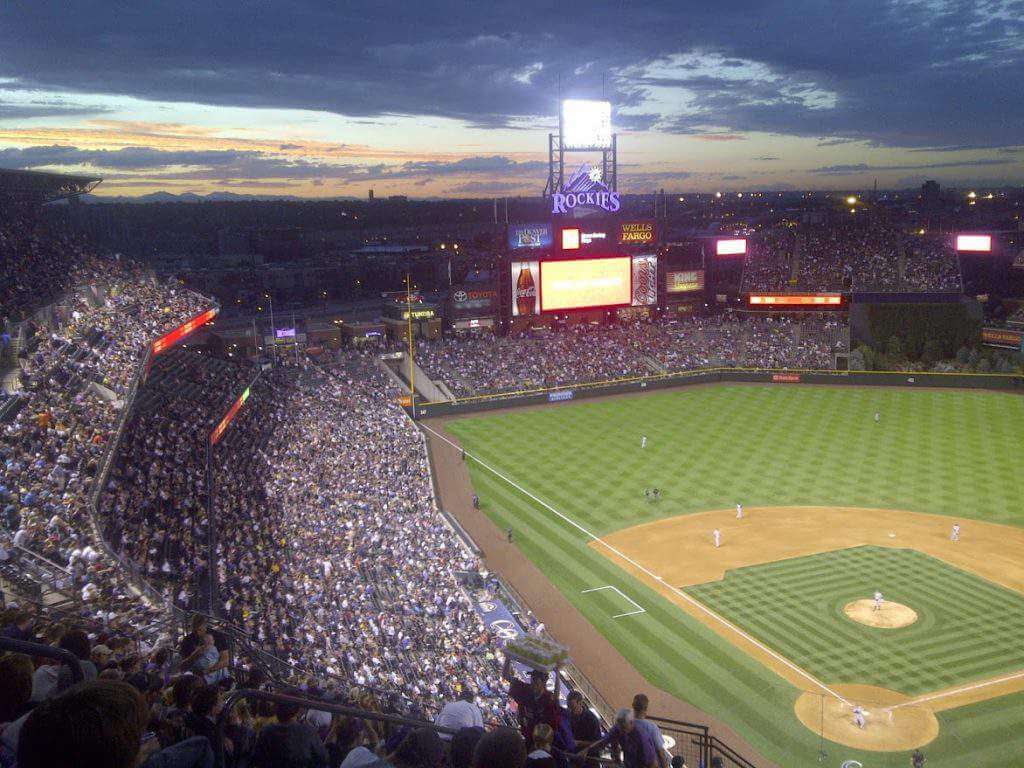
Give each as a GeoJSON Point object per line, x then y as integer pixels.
{"type": "Point", "coordinates": [473, 301]}
{"type": "Point", "coordinates": [686, 281]}
{"type": "Point", "coordinates": [645, 280]}
{"type": "Point", "coordinates": [529, 236]}
{"type": "Point", "coordinates": [525, 284]}
{"type": "Point", "coordinates": [1002, 337]}
{"type": "Point", "coordinates": [166, 342]}
{"type": "Point", "coordinates": [637, 233]}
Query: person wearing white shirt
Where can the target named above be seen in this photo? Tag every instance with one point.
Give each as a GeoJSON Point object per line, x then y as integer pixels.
{"type": "Point", "coordinates": [463, 713]}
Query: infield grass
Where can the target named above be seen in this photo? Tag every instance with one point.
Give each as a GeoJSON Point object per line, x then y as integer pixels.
{"type": "Point", "coordinates": [956, 453]}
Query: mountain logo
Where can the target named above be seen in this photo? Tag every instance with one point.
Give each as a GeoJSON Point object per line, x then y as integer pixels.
{"type": "Point", "coordinates": [585, 188]}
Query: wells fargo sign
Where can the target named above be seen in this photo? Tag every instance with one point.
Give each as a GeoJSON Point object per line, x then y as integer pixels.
{"type": "Point", "coordinates": [636, 233]}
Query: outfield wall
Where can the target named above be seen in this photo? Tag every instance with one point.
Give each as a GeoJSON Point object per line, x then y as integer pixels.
{"type": "Point", "coordinates": [782, 377]}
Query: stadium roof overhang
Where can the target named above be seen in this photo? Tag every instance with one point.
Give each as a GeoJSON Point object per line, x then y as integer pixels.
{"type": "Point", "coordinates": [41, 187]}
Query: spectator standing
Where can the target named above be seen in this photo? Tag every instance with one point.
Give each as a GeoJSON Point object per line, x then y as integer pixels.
{"type": "Point", "coordinates": [649, 730]}
{"type": "Point", "coordinates": [586, 728]}
{"type": "Point", "coordinates": [536, 704]}
{"type": "Point", "coordinates": [289, 743]}
{"type": "Point", "coordinates": [541, 757]}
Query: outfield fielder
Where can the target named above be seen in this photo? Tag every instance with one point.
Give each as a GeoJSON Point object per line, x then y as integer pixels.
{"type": "Point", "coordinates": [955, 535]}
{"type": "Point", "coordinates": [858, 717]}
{"type": "Point", "coordinates": [718, 538]}
{"type": "Point", "coordinates": [643, 441]}
{"type": "Point", "coordinates": [878, 600]}
{"type": "Point", "coordinates": [739, 511]}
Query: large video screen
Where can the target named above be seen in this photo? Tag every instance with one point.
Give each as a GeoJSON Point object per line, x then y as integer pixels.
{"type": "Point", "coordinates": [731, 247]}
{"type": "Point", "coordinates": [583, 283]}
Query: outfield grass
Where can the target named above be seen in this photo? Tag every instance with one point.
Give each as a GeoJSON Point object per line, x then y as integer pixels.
{"type": "Point", "coordinates": [967, 628]}
{"type": "Point", "coordinates": [944, 452]}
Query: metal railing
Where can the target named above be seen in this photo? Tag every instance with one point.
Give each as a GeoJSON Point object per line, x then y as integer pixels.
{"type": "Point", "coordinates": [49, 651]}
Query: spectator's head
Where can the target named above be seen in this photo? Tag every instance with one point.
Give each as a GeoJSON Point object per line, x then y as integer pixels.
{"type": "Point", "coordinates": [467, 694]}
{"type": "Point", "coordinates": [462, 745]}
{"type": "Point", "coordinates": [624, 719]}
{"type": "Point", "coordinates": [77, 642]}
{"type": "Point", "coordinates": [198, 624]}
{"type": "Point", "coordinates": [181, 690]}
{"type": "Point", "coordinates": [538, 681]}
{"type": "Point", "coordinates": [640, 704]}
{"type": "Point", "coordinates": [99, 724]}
{"type": "Point", "coordinates": [421, 748]}
{"type": "Point", "coordinates": [500, 748]}
{"type": "Point", "coordinates": [575, 702]}
{"type": "Point", "coordinates": [543, 735]}
{"type": "Point", "coordinates": [205, 701]}
{"type": "Point", "coordinates": [678, 761]}
{"type": "Point", "coordinates": [15, 685]}
{"type": "Point", "coordinates": [717, 762]}
{"type": "Point", "coordinates": [286, 712]}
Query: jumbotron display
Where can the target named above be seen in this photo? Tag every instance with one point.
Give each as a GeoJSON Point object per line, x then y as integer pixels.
{"type": "Point", "coordinates": [585, 283]}
{"type": "Point", "coordinates": [974, 243]}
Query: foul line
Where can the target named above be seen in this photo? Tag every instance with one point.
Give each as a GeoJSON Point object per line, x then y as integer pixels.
{"type": "Point", "coordinates": [679, 593]}
{"type": "Point", "coordinates": [622, 595]}
{"type": "Point", "coordinates": [958, 691]}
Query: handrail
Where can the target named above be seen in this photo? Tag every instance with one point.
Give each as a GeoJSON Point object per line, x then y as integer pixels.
{"type": "Point", "coordinates": [49, 651]}
{"type": "Point", "coordinates": [717, 745]}
{"type": "Point", "coordinates": [305, 702]}
{"type": "Point", "coordinates": [49, 563]}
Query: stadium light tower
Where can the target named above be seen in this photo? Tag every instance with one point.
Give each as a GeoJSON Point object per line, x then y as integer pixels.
{"type": "Point", "coordinates": [584, 125]}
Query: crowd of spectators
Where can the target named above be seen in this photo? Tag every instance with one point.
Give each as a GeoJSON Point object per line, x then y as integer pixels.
{"type": "Point", "coordinates": [870, 258]}
{"type": "Point", "coordinates": [603, 352]}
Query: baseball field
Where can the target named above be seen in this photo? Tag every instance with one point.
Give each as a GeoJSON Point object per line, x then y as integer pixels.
{"type": "Point", "coordinates": [775, 632]}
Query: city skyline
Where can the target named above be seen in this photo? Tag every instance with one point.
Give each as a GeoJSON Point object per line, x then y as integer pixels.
{"type": "Point", "coordinates": [317, 99]}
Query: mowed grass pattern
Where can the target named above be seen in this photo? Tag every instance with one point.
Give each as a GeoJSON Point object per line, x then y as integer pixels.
{"type": "Point", "coordinates": [967, 629]}
{"type": "Point", "coordinates": [950, 452]}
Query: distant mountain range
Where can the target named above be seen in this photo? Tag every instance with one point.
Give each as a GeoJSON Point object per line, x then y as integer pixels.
{"type": "Point", "coordinates": [192, 197]}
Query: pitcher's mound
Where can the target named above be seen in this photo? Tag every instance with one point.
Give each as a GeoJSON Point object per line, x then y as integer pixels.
{"type": "Point", "coordinates": [889, 616]}
{"type": "Point", "coordinates": [886, 729]}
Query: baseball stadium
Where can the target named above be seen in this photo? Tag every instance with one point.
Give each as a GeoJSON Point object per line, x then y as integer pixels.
{"type": "Point", "coordinates": [594, 477]}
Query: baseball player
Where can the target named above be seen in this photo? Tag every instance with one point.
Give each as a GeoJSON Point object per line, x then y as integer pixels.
{"type": "Point", "coordinates": [739, 511]}
{"type": "Point", "coordinates": [717, 535]}
{"type": "Point", "coordinates": [954, 536]}
{"type": "Point", "coordinates": [878, 417]}
{"type": "Point", "coordinates": [858, 717]}
{"type": "Point", "coordinates": [878, 600]}
{"type": "Point", "coordinates": [643, 441]}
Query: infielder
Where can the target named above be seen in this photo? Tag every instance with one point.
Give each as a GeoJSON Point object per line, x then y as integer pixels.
{"type": "Point", "coordinates": [643, 441]}
{"type": "Point", "coordinates": [954, 536]}
{"type": "Point", "coordinates": [878, 600]}
{"type": "Point", "coordinates": [858, 717]}
{"type": "Point", "coordinates": [717, 535]}
{"type": "Point", "coordinates": [739, 511]}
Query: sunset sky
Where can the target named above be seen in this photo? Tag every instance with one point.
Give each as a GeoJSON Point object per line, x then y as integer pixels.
{"type": "Point", "coordinates": [322, 98]}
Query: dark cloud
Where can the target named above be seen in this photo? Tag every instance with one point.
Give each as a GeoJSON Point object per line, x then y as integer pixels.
{"type": "Point", "coordinates": [486, 187]}
{"type": "Point", "coordinates": [928, 73]}
{"type": "Point", "coordinates": [842, 170]}
{"type": "Point", "coordinates": [766, 158]}
{"type": "Point", "coordinates": [46, 109]}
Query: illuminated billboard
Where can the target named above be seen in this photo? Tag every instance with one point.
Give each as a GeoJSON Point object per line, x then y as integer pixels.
{"type": "Point", "coordinates": [585, 283]}
{"type": "Point", "coordinates": [645, 280]}
{"type": "Point", "coordinates": [169, 340]}
{"type": "Point", "coordinates": [529, 236]}
{"type": "Point", "coordinates": [586, 124]}
{"type": "Point", "coordinates": [637, 233]}
{"type": "Point", "coordinates": [686, 281]}
{"type": "Point", "coordinates": [731, 247]}
{"type": "Point", "coordinates": [218, 431]}
{"type": "Point", "coordinates": [797, 300]}
{"type": "Point", "coordinates": [974, 243]}
{"type": "Point", "coordinates": [525, 296]}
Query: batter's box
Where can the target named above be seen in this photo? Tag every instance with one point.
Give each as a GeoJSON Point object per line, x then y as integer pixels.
{"type": "Point", "coordinates": [636, 606]}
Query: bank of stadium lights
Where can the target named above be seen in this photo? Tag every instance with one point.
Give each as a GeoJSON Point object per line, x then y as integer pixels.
{"type": "Point", "coordinates": [718, 195]}
{"type": "Point", "coordinates": [851, 200]}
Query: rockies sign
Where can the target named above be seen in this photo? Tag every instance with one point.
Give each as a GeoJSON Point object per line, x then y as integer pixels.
{"type": "Point", "coordinates": [585, 188]}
